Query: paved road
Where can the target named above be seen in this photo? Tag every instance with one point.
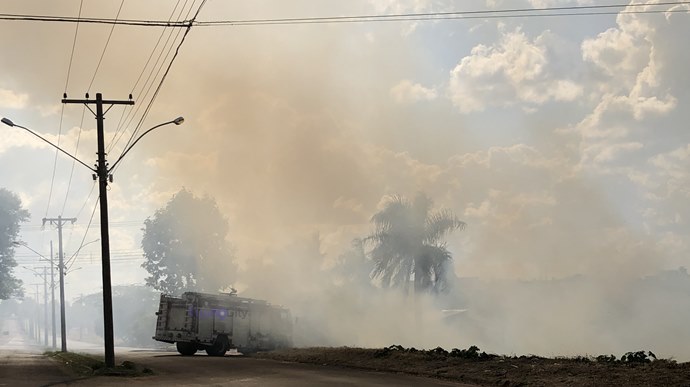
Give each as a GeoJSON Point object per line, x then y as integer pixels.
{"type": "Point", "coordinates": [199, 370]}
{"type": "Point", "coordinates": [21, 360]}
{"type": "Point", "coordinates": [22, 364]}
{"type": "Point", "coordinates": [19, 368]}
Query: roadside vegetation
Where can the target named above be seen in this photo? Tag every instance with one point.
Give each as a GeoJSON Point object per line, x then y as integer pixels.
{"type": "Point", "coordinates": [471, 365]}
{"type": "Point", "coordinates": [85, 365]}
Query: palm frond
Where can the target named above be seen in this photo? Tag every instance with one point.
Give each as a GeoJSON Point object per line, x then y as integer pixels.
{"type": "Point", "coordinates": [441, 223]}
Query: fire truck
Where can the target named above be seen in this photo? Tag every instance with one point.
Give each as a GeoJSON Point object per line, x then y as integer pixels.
{"type": "Point", "coordinates": [218, 322]}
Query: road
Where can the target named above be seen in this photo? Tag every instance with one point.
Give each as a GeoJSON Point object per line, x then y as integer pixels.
{"type": "Point", "coordinates": [22, 364]}
{"type": "Point", "coordinates": [21, 360]}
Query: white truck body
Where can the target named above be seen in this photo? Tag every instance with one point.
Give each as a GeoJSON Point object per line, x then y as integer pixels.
{"type": "Point", "coordinates": [218, 322]}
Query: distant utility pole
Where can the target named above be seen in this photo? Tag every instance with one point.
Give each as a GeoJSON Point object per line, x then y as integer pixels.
{"type": "Point", "coordinates": [44, 276]}
{"type": "Point", "coordinates": [103, 174]}
{"type": "Point", "coordinates": [59, 222]}
{"type": "Point", "coordinates": [37, 319]}
{"type": "Point", "coordinates": [52, 292]}
{"type": "Point", "coordinates": [45, 305]}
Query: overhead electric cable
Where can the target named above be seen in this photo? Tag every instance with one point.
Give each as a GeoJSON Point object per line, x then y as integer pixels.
{"type": "Point", "coordinates": [132, 112]}
{"type": "Point", "coordinates": [110, 35]}
{"type": "Point", "coordinates": [62, 115]}
{"type": "Point", "coordinates": [153, 75]}
{"type": "Point", "coordinates": [88, 226]}
{"type": "Point", "coordinates": [67, 19]}
{"type": "Point", "coordinates": [74, 44]}
{"type": "Point", "coordinates": [165, 74]}
{"type": "Point", "coordinates": [76, 149]}
{"type": "Point", "coordinates": [62, 110]}
{"type": "Point", "coordinates": [475, 14]}
{"type": "Point", "coordinates": [81, 125]}
{"type": "Point", "coordinates": [157, 43]}
{"type": "Point", "coordinates": [430, 18]}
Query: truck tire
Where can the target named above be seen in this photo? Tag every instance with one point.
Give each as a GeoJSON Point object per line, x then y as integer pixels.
{"type": "Point", "coordinates": [219, 347]}
{"type": "Point", "coordinates": [186, 349]}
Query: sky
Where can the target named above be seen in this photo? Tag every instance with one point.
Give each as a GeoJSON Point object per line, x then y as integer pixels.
{"type": "Point", "coordinates": [562, 142]}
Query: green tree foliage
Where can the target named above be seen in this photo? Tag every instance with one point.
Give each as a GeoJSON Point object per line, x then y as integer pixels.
{"type": "Point", "coordinates": [11, 215]}
{"type": "Point", "coordinates": [185, 248]}
{"type": "Point", "coordinates": [408, 244]}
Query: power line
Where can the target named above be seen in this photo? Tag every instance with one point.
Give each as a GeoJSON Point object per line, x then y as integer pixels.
{"type": "Point", "coordinates": [69, 237]}
{"type": "Point", "coordinates": [133, 112]}
{"type": "Point", "coordinates": [73, 259]}
{"type": "Point", "coordinates": [124, 223]}
{"type": "Point", "coordinates": [74, 44]}
{"type": "Point", "coordinates": [165, 74]}
{"type": "Point", "coordinates": [422, 16]}
{"type": "Point", "coordinates": [62, 115]}
{"type": "Point", "coordinates": [110, 35]}
{"type": "Point", "coordinates": [68, 19]}
{"type": "Point", "coordinates": [152, 77]}
{"type": "Point", "coordinates": [521, 12]}
{"type": "Point", "coordinates": [76, 150]}
{"type": "Point", "coordinates": [459, 18]}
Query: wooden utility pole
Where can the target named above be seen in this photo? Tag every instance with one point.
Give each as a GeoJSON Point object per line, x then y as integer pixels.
{"type": "Point", "coordinates": [52, 293]}
{"type": "Point", "coordinates": [103, 175]}
{"type": "Point", "coordinates": [45, 305]}
{"type": "Point", "coordinates": [59, 222]}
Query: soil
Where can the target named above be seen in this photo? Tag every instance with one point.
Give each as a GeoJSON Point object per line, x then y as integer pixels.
{"type": "Point", "coordinates": [474, 367]}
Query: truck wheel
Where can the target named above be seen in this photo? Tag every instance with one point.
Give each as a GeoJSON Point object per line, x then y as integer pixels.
{"type": "Point", "coordinates": [186, 349]}
{"type": "Point", "coordinates": [219, 347]}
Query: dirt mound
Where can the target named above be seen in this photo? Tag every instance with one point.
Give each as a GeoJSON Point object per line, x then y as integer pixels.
{"type": "Point", "coordinates": [474, 366]}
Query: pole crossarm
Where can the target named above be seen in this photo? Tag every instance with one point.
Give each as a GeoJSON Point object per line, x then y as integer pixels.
{"type": "Point", "coordinates": [93, 101]}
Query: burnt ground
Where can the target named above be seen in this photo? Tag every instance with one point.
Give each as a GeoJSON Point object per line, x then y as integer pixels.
{"type": "Point", "coordinates": [475, 367]}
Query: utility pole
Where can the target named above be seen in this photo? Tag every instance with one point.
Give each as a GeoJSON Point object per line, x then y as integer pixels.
{"type": "Point", "coordinates": [37, 319]}
{"type": "Point", "coordinates": [44, 276]}
{"type": "Point", "coordinates": [103, 175]}
{"type": "Point", "coordinates": [52, 293]}
{"type": "Point", "coordinates": [59, 222]}
{"type": "Point", "coordinates": [45, 306]}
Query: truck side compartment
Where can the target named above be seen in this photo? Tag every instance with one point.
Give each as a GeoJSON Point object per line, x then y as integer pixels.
{"type": "Point", "coordinates": [217, 323]}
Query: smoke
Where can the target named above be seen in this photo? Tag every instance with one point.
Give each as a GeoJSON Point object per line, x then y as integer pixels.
{"type": "Point", "coordinates": [562, 144]}
{"type": "Point", "coordinates": [304, 136]}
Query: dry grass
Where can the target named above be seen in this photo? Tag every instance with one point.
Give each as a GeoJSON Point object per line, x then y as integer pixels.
{"type": "Point", "coordinates": [88, 365]}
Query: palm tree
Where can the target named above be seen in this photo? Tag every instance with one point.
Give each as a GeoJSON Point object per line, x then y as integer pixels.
{"type": "Point", "coordinates": [408, 243]}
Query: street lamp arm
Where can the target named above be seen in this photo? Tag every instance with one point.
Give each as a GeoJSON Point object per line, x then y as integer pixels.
{"type": "Point", "coordinates": [176, 121]}
{"type": "Point", "coordinates": [22, 243]}
{"type": "Point", "coordinates": [79, 249]}
{"type": "Point", "coordinates": [9, 122]}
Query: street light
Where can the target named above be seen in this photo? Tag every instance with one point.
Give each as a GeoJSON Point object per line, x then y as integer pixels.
{"type": "Point", "coordinates": [23, 244]}
{"type": "Point", "coordinates": [9, 122]}
{"type": "Point", "coordinates": [176, 121]}
{"type": "Point", "coordinates": [102, 172]}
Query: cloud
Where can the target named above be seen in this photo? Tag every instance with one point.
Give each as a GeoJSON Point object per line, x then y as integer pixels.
{"type": "Point", "coordinates": [12, 100]}
{"type": "Point", "coordinates": [512, 71]}
{"type": "Point", "coordinates": [408, 92]}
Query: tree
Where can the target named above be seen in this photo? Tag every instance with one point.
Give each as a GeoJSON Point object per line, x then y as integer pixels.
{"type": "Point", "coordinates": [11, 215]}
{"type": "Point", "coordinates": [353, 267]}
{"type": "Point", "coordinates": [185, 248]}
{"type": "Point", "coordinates": [408, 243]}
